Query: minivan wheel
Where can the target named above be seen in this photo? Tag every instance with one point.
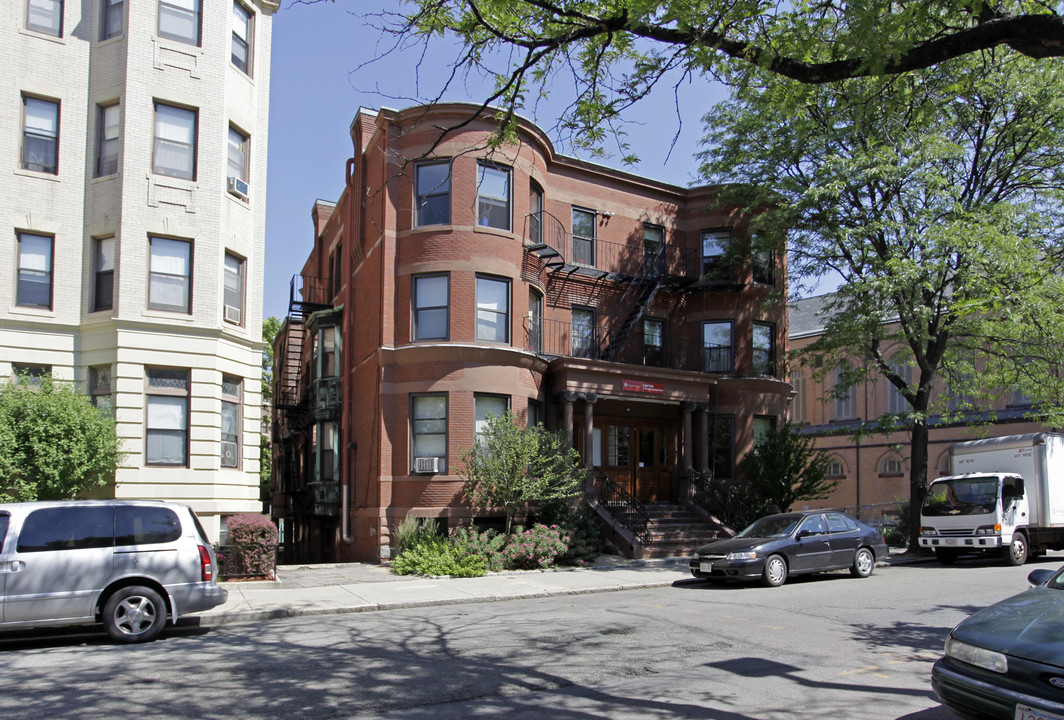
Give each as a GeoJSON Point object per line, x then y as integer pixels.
{"type": "Point", "coordinates": [134, 614]}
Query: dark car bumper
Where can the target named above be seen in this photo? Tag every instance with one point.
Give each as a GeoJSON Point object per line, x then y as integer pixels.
{"type": "Point", "coordinates": [729, 569]}
{"type": "Point", "coordinates": [973, 698]}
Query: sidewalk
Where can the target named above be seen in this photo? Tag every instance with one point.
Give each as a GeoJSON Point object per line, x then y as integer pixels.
{"type": "Point", "coordinates": [362, 587]}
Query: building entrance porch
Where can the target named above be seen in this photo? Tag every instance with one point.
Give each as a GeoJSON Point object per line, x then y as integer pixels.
{"type": "Point", "coordinates": [639, 455]}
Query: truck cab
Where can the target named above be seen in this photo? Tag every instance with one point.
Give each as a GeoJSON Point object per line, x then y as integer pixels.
{"type": "Point", "coordinates": [976, 512]}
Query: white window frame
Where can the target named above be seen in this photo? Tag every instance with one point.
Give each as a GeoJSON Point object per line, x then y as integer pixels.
{"type": "Point", "coordinates": [181, 10]}
{"type": "Point", "coordinates": [176, 133]}
{"type": "Point", "coordinates": [166, 409]}
{"type": "Point", "coordinates": [493, 321]}
{"type": "Point", "coordinates": [164, 270]}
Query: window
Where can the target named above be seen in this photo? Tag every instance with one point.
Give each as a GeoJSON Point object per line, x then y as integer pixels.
{"type": "Point", "coordinates": [432, 204]}
{"type": "Point", "coordinates": [763, 427]}
{"type": "Point", "coordinates": [100, 387]}
{"type": "Point", "coordinates": [174, 147]}
{"type": "Point", "coordinates": [31, 374]}
{"type": "Point", "coordinates": [1018, 398]}
{"type": "Point", "coordinates": [111, 21]}
{"type": "Point", "coordinates": [493, 309]}
{"type": "Point", "coordinates": [718, 355]}
{"type": "Point", "coordinates": [45, 16]}
{"type": "Point", "coordinates": [583, 332]}
{"type": "Point", "coordinates": [535, 321]}
{"type": "Point", "coordinates": [145, 525]}
{"type": "Point", "coordinates": [166, 439]}
{"type": "Point", "coordinates": [493, 196]}
{"type": "Point", "coordinates": [428, 430]}
{"type": "Point", "coordinates": [535, 213]}
{"type": "Point", "coordinates": [840, 523]}
{"type": "Point", "coordinates": [237, 162]}
{"type": "Point", "coordinates": [230, 451]}
{"type": "Point", "coordinates": [836, 469]}
{"type": "Point", "coordinates": [327, 456]}
{"type": "Point", "coordinates": [896, 402]}
{"type": "Point", "coordinates": [722, 446]}
{"type": "Point", "coordinates": [40, 135]}
{"type": "Point", "coordinates": [714, 246]}
{"type": "Point", "coordinates": [169, 285]}
{"type": "Point", "coordinates": [764, 349]}
{"type": "Point", "coordinates": [241, 37]}
{"type": "Point", "coordinates": [583, 237]}
{"type": "Point", "coordinates": [233, 289]}
{"type": "Point", "coordinates": [67, 528]}
{"type": "Point", "coordinates": [485, 406]}
{"type": "Point", "coordinates": [34, 271]}
{"type": "Point", "coordinates": [653, 250]}
{"type": "Point", "coordinates": [431, 307]}
{"type": "Point", "coordinates": [618, 446]}
{"type": "Point", "coordinates": [328, 356]}
{"type": "Point", "coordinates": [799, 398]}
{"type": "Point", "coordinates": [103, 273]}
{"type": "Point", "coordinates": [845, 397]}
{"type": "Point", "coordinates": [180, 20]}
{"type": "Point", "coordinates": [653, 342]}
{"type": "Point", "coordinates": [535, 413]}
{"type": "Point", "coordinates": [764, 261]}
{"type": "Point", "coordinates": [108, 125]}
{"type": "Point", "coordinates": [891, 466]}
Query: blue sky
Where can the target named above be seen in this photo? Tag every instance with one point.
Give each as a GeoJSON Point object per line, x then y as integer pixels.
{"type": "Point", "coordinates": [317, 87]}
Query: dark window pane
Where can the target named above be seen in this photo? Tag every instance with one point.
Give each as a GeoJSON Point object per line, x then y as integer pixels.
{"type": "Point", "coordinates": [67, 528]}
{"type": "Point", "coordinates": [145, 525]}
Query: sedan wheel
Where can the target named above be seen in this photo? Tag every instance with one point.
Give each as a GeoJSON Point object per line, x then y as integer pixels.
{"type": "Point", "coordinates": [863, 563]}
{"type": "Point", "coordinates": [775, 572]}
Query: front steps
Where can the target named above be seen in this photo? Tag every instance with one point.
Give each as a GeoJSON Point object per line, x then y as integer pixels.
{"type": "Point", "coordinates": [676, 531]}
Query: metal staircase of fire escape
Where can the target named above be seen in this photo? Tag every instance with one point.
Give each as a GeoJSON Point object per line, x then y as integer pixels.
{"type": "Point", "coordinates": [632, 305]}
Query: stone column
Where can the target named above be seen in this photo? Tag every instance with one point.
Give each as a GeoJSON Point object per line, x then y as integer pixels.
{"type": "Point", "coordinates": [567, 417]}
{"type": "Point", "coordinates": [688, 451]}
{"type": "Point", "coordinates": [589, 426]}
{"type": "Point", "coordinates": [703, 440]}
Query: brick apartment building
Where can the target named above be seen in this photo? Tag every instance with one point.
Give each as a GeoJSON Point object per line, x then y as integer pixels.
{"type": "Point", "coordinates": [133, 138]}
{"type": "Point", "coordinates": [452, 281]}
{"type": "Point", "coordinates": [873, 472]}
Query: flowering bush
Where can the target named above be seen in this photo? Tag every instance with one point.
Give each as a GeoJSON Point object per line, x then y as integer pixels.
{"type": "Point", "coordinates": [255, 540]}
{"type": "Point", "coordinates": [487, 546]}
{"type": "Point", "coordinates": [535, 548]}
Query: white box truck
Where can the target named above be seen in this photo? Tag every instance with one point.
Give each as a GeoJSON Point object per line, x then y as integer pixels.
{"type": "Point", "coordinates": [1006, 495]}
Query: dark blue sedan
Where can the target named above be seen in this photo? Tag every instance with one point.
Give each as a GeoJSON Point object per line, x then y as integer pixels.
{"type": "Point", "coordinates": [1007, 661]}
{"type": "Point", "coordinates": [778, 546]}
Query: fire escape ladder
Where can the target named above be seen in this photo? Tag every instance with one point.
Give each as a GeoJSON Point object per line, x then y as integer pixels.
{"type": "Point", "coordinates": [632, 305]}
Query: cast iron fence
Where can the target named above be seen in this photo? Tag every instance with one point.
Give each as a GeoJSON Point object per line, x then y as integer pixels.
{"type": "Point", "coordinates": [253, 560]}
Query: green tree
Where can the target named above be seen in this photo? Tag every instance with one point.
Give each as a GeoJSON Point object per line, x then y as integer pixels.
{"type": "Point", "coordinates": [785, 466]}
{"type": "Point", "coordinates": [612, 53]}
{"type": "Point", "coordinates": [270, 327]}
{"type": "Point", "coordinates": [936, 197]}
{"type": "Point", "coordinates": [510, 466]}
{"type": "Point", "coordinates": [54, 443]}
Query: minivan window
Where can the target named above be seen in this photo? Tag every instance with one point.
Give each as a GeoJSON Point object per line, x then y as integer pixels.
{"type": "Point", "coordinates": [67, 528]}
{"type": "Point", "coordinates": [145, 525]}
{"type": "Point", "coordinates": [3, 530]}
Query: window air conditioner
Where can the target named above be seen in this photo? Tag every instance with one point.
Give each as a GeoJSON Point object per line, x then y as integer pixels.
{"type": "Point", "coordinates": [228, 454]}
{"type": "Point", "coordinates": [427, 464]}
{"type": "Point", "coordinates": [232, 314]}
{"type": "Point", "coordinates": [237, 187]}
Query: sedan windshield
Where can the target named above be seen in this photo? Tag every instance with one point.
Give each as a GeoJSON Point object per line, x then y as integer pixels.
{"type": "Point", "coordinates": [772, 526]}
{"type": "Point", "coordinates": [963, 496]}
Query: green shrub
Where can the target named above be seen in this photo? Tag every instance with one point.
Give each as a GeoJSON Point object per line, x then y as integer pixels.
{"type": "Point", "coordinates": [434, 555]}
{"type": "Point", "coordinates": [412, 530]}
{"type": "Point", "coordinates": [487, 546]}
{"type": "Point", "coordinates": [535, 548]}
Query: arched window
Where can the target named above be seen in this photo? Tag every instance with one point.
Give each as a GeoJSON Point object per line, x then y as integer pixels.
{"type": "Point", "coordinates": [845, 397]}
{"type": "Point", "coordinates": [896, 402]}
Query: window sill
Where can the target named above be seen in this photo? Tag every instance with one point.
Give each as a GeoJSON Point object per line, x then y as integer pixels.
{"type": "Point", "coordinates": [61, 40]}
{"type": "Point", "coordinates": [51, 177]}
{"type": "Point", "coordinates": [487, 229]}
{"type": "Point", "coordinates": [32, 311]}
{"type": "Point", "coordinates": [170, 315]}
{"type": "Point", "coordinates": [432, 228]}
{"type": "Point", "coordinates": [103, 178]}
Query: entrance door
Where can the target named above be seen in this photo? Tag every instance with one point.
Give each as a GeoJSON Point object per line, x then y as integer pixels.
{"type": "Point", "coordinates": [638, 457]}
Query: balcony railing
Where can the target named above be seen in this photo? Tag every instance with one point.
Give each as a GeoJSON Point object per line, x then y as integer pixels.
{"type": "Point", "coordinates": [557, 338]}
{"type": "Point", "coordinates": [308, 294]}
{"type": "Point", "coordinates": [325, 398]}
{"type": "Point", "coordinates": [592, 255]}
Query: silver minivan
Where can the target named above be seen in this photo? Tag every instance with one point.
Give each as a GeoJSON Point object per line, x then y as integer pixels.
{"type": "Point", "coordinates": [128, 564]}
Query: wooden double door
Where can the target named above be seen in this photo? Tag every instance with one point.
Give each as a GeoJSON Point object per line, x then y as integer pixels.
{"type": "Point", "coordinates": [638, 455]}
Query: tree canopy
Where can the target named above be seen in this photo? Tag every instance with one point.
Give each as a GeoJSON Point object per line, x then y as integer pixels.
{"type": "Point", "coordinates": [937, 197]}
{"type": "Point", "coordinates": [614, 52]}
{"type": "Point", "coordinates": [54, 443]}
{"type": "Point", "coordinates": [510, 466]}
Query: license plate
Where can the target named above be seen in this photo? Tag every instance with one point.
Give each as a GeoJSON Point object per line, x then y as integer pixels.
{"type": "Point", "coordinates": [1024, 712]}
{"type": "Point", "coordinates": [706, 567]}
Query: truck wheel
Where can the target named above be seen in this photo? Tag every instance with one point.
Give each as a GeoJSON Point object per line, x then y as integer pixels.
{"type": "Point", "coordinates": [1016, 552]}
{"type": "Point", "coordinates": [946, 557]}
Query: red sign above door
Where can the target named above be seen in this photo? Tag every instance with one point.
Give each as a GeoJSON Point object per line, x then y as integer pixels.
{"type": "Point", "coordinates": [647, 387]}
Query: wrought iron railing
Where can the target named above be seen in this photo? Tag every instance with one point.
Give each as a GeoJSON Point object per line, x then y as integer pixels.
{"type": "Point", "coordinates": [630, 260]}
{"type": "Point", "coordinates": [251, 560]}
{"type": "Point", "coordinates": [624, 507]}
{"type": "Point", "coordinates": [723, 500]}
{"type": "Point", "coordinates": [564, 339]}
{"type": "Point", "coordinates": [307, 294]}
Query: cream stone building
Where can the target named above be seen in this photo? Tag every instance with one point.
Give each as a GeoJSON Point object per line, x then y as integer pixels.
{"type": "Point", "coordinates": [133, 140]}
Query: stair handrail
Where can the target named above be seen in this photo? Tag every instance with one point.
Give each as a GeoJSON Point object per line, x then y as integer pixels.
{"type": "Point", "coordinates": [624, 507]}
{"type": "Point", "coordinates": [721, 500]}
